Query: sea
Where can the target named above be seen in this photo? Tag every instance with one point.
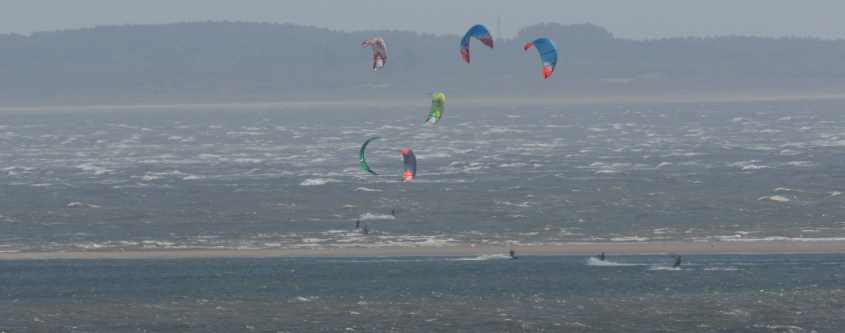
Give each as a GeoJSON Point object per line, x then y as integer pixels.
{"type": "Point", "coordinates": [287, 176]}
{"type": "Point", "coordinates": [736, 293]}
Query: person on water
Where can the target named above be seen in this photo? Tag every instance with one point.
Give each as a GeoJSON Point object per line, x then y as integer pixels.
{"type": "Point", "coordinates": [357, 224]}
{"type": "Point", "coordinates": [366, 230]}
{"type": "Point", "coordinates": [512, 254]}
{"type": "Point", "coordinates": [601, 256]}
{"type": "Point", "coordinates": [393, 212]}
{"type": "Point", "coordinates": [677, 262]}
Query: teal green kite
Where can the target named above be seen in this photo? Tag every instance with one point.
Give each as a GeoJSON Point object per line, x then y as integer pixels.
{"type": "Point", "coordinates": [363, 159]}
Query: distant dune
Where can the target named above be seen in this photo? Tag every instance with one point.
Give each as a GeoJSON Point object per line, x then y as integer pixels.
{"type": "Point", "coordinates": [224, 62]}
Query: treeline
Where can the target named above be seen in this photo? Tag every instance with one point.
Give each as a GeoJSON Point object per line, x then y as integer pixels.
{"type": "Point", "coordinates": [225, 61]}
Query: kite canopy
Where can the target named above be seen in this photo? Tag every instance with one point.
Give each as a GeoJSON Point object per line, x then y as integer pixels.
{"type": "Point", "coordinates": [379, 51]}
{"type": "Point", "coordinates": [481, 33]}
{"type": "Point", "coordinates": [410, 160]}
{"type": "Point", "coordinates": [548, 54]}
{"type": "Point", "coordinates": [363, 159]}
{"type": "Point", "coordinates": [438, 103]}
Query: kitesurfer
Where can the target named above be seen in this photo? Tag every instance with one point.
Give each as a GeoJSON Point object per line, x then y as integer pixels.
{"type": "Point", "coordinates": [379, 51]}
{"type": "Point", "coordinates": [512, 253]}
{"type": "Point", "coordinates": [601, 256]}
{"type": "Point", "coordinates": [438, 103]}
{"type": "Point", "coordinates": [410, 161]}
{"type": "Point", "coordinates": [677, 262]}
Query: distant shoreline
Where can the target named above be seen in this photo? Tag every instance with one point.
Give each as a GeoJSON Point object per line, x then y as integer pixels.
{"type": "Point", "coordinates": [672, 98]}
{"type": "Point", "coordinates": [565, 249]}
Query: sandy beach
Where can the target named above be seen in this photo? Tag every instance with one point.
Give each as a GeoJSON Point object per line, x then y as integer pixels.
{"type": "Point", "coordinates": [574, 249]}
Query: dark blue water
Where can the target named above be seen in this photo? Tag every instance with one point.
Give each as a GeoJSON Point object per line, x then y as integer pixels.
{"type": "Point", "coordinates": [772, 293]}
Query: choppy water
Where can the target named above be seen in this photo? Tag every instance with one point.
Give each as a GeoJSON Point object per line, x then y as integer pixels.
{"type": "Point", "coordinates": [288, 178]}
{"type": "Point", "coordinates": [797, 293]}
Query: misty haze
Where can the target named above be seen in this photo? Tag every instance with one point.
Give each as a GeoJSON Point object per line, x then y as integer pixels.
{"type": "Point", "coordinates": [249, 62]}
{"type": "Point", "coordinates": [225, 176]}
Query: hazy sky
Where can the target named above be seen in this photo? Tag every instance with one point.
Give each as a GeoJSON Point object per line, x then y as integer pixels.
{"type": "Point", "coordinates": [625, 18]}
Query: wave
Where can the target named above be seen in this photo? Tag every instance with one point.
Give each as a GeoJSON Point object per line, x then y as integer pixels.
{"type": "Point", "coordinates": [433, 156]}
{"type": "Point", "coordinates": [367, 189]}
{"type": "Point", "coordinates": [629, 239]}
{"type": "Point", "coordinates": [748, 165]}
{"type": "Point", "coordinates": [318, 181]}
{"type": "Point", "coordinates": [371, 217]}
{"type": "Point", "coordinates": [785, 239]}
{"type": "Point", "coordinates": [801, 164]}
{"type": "Point", "coordinates": [306, 299]}
{"type": "Point", "coordinates": [665, 268]}
{"type": "Point", "coordinates": [593, 261]}
{"type": "Point", "coordinates": [97, 170]}
{"type": "Point", "coordinates": [775, 198]}
{"type": "Point", "coordinates": [524, 204]}
{"type": "Point", "coordinates": [77, 204]}
{"type": "Point", "coordinates": [721, 269]}
{"type": "Point", "coordinates": [485, 257]}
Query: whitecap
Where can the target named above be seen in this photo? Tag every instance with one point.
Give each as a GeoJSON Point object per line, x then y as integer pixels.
{"type": "Point", "coordinates": [97, 170]}
{"type": "Point", "coordinates": [513, 165]}
{"type": "Point", "coordinates": [485, 257]}
{"type": "Point", "coordinates": [367, 189]}
{"type": "Point", "coordinates": [501, 130]}
{"type": "Point", "coordinates": [248, 160]}
{"type": "Point", "coordinates": [433, 156]}
{"type": "Point", "coordinates": [77, 204]}
{"type": "Point", "coordinates": [748, 165]}
{"type": "Point", "coordinates": [664, 268]}
{"type": "Point", "coordinates": [721, 269]}
{"type": "Point", "coordinates": [317, 181]}
{"type": "Point", "coordinates": [524, 204]}
{"type": "Point", "coordinates": [787, 239]}
{"type": "Point", "coordinates": [776, 198]}
{"type": "Point", "coordinates": [371, 217]}
{"type": "Point", "coordinates": [593, 261]}
{"type": "Point", "coordinates": [801, 164]}
{"type": "Point", "coordinates": [629, 239]}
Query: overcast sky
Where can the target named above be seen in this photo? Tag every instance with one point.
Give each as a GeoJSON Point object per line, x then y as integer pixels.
{"type": "Point", "coordinates": [625, 18]}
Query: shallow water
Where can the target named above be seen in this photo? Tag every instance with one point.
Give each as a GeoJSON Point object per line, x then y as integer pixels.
{"type": "Point", "coordinates": [289, 178]}
{"type": "Point", "coordinates": [795, 293]}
